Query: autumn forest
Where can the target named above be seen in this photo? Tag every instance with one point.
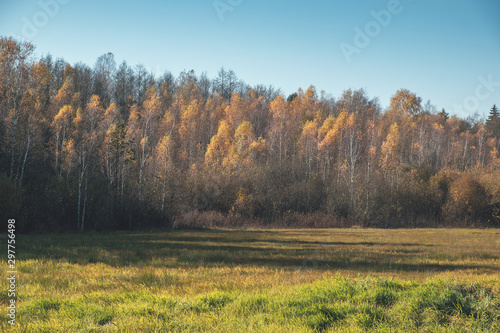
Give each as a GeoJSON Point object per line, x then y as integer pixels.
{"type": "Point", "coordinates": [114, 147]}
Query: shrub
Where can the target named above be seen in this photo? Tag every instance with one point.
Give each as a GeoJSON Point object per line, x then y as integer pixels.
{"type": "Point", "coordinates": [491, 182]}
{"type": "Point", "coordinates": [467, 199]}
{"type": "Point", "coordinates": [200, 220]}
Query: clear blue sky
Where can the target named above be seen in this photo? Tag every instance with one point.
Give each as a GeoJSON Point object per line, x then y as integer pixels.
{"type": "Point", "coordinates": [437, 49]}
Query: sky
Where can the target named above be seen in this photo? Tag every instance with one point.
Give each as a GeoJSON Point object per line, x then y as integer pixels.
{"type": "Point", "coordinates": [445, 51]}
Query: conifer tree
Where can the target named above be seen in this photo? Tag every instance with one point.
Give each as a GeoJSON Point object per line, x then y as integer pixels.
{"type": "Point", "coordinates": [493, 123]}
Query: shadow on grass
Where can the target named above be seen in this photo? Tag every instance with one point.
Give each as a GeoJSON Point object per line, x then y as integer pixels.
{"type": "Point", "coordinates": [229, 248]}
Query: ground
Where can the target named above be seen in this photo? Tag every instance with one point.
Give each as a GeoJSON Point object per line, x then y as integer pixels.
{"type": "Point", "coordinates": [315, 280]}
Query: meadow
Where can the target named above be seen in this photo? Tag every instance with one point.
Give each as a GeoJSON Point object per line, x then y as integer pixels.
{"type": "Point", "coordinates": [307, 280]}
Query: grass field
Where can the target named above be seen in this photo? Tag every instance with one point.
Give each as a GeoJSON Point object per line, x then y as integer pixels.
{"type": "Point", "coordinates": [336, 280]}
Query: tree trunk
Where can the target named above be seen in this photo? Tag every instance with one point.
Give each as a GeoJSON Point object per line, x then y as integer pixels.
{"type": "Point", "coordinates": [25, 156]}
{"type": "Point", "coordinates": [13, 146]}
{"type": "Point", "coordinates": [79, 199]}
{"type": "Point", "coordinates": [165, 171]}
{"type": "Point", "coordinates": [82, 226]}
{"type": "Point", "coordinates": [141, 171]}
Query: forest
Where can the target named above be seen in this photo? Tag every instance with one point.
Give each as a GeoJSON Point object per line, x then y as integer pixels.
{"type": "Point", "coordinates": [113, 147]}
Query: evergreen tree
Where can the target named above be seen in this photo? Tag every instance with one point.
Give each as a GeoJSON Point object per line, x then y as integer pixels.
{"type": "Point", "coordinates": [493, 123]}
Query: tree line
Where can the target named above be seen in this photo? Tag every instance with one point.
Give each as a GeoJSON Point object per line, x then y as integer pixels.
{"type": "Point", "coordinates": [114, 147]}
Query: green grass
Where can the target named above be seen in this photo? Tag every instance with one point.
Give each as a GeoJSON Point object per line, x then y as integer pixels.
{"type": "Point", "coordinates": [338, 280]}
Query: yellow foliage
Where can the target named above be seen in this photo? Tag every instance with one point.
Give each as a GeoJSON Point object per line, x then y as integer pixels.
{"type": "Point", "coordinates": [63, 116]}
{"type": "Point", "coordinates": [310, 131]}
{"type": "Point", "coordinates": [244, 204]}
{"type": "Point", "coordinates": [236, 111]}
{"type": "Point", "coordinates": [344, 167]}
{"type": "Point", "coordinates": [389, 158]}
{"type": "Point", "coordinates": [78, 119]}
{"type": "Point", "coordinates": [308, 140]}
{"type": "Point", "coordinates": [65, 93]}
{"type": "Point", "coordinates": [191, 117]}
{"type": "Point", "coordinates": [351, 121]}
{"type": "Point", "coordinates": [111, 114]}
{"type": "Point", "coordinates": [405, 102]}
{"type": "Point", "coordinates": [220, 145]}
{"type": "Point", "coordinates": [341, 119]}
{"type": "Point", "coordinates": [336, 127]}
{"type": "Point", "coordinates": [437, 127]}
{"type": "Point", "coordinates": [244, 132]}
{"type": "Point", "coordinates": [259, 148]}
{"type": "Point", "coordinates": [327, 125]}
{"type": "Point", "coordinates": [329, 140]}
{"type": "Point", "coordinates": [240, 153]}
{"type": "Point", "coordinates": [152, 103]}
{"type": "Point", "coordinates": [94, 102]}
{"type": "Point", "coordinates": [278, 108]}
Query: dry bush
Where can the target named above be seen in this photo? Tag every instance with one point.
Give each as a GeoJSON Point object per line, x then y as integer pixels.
{"type": "Point", "coordinates": [491, 182]}
{"type": "Point", "coordinates": [213, 220]}
{"type": "Point", "coordinates": [467, 200]}
{"type": "Point", "coordinates": [200, 220]}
